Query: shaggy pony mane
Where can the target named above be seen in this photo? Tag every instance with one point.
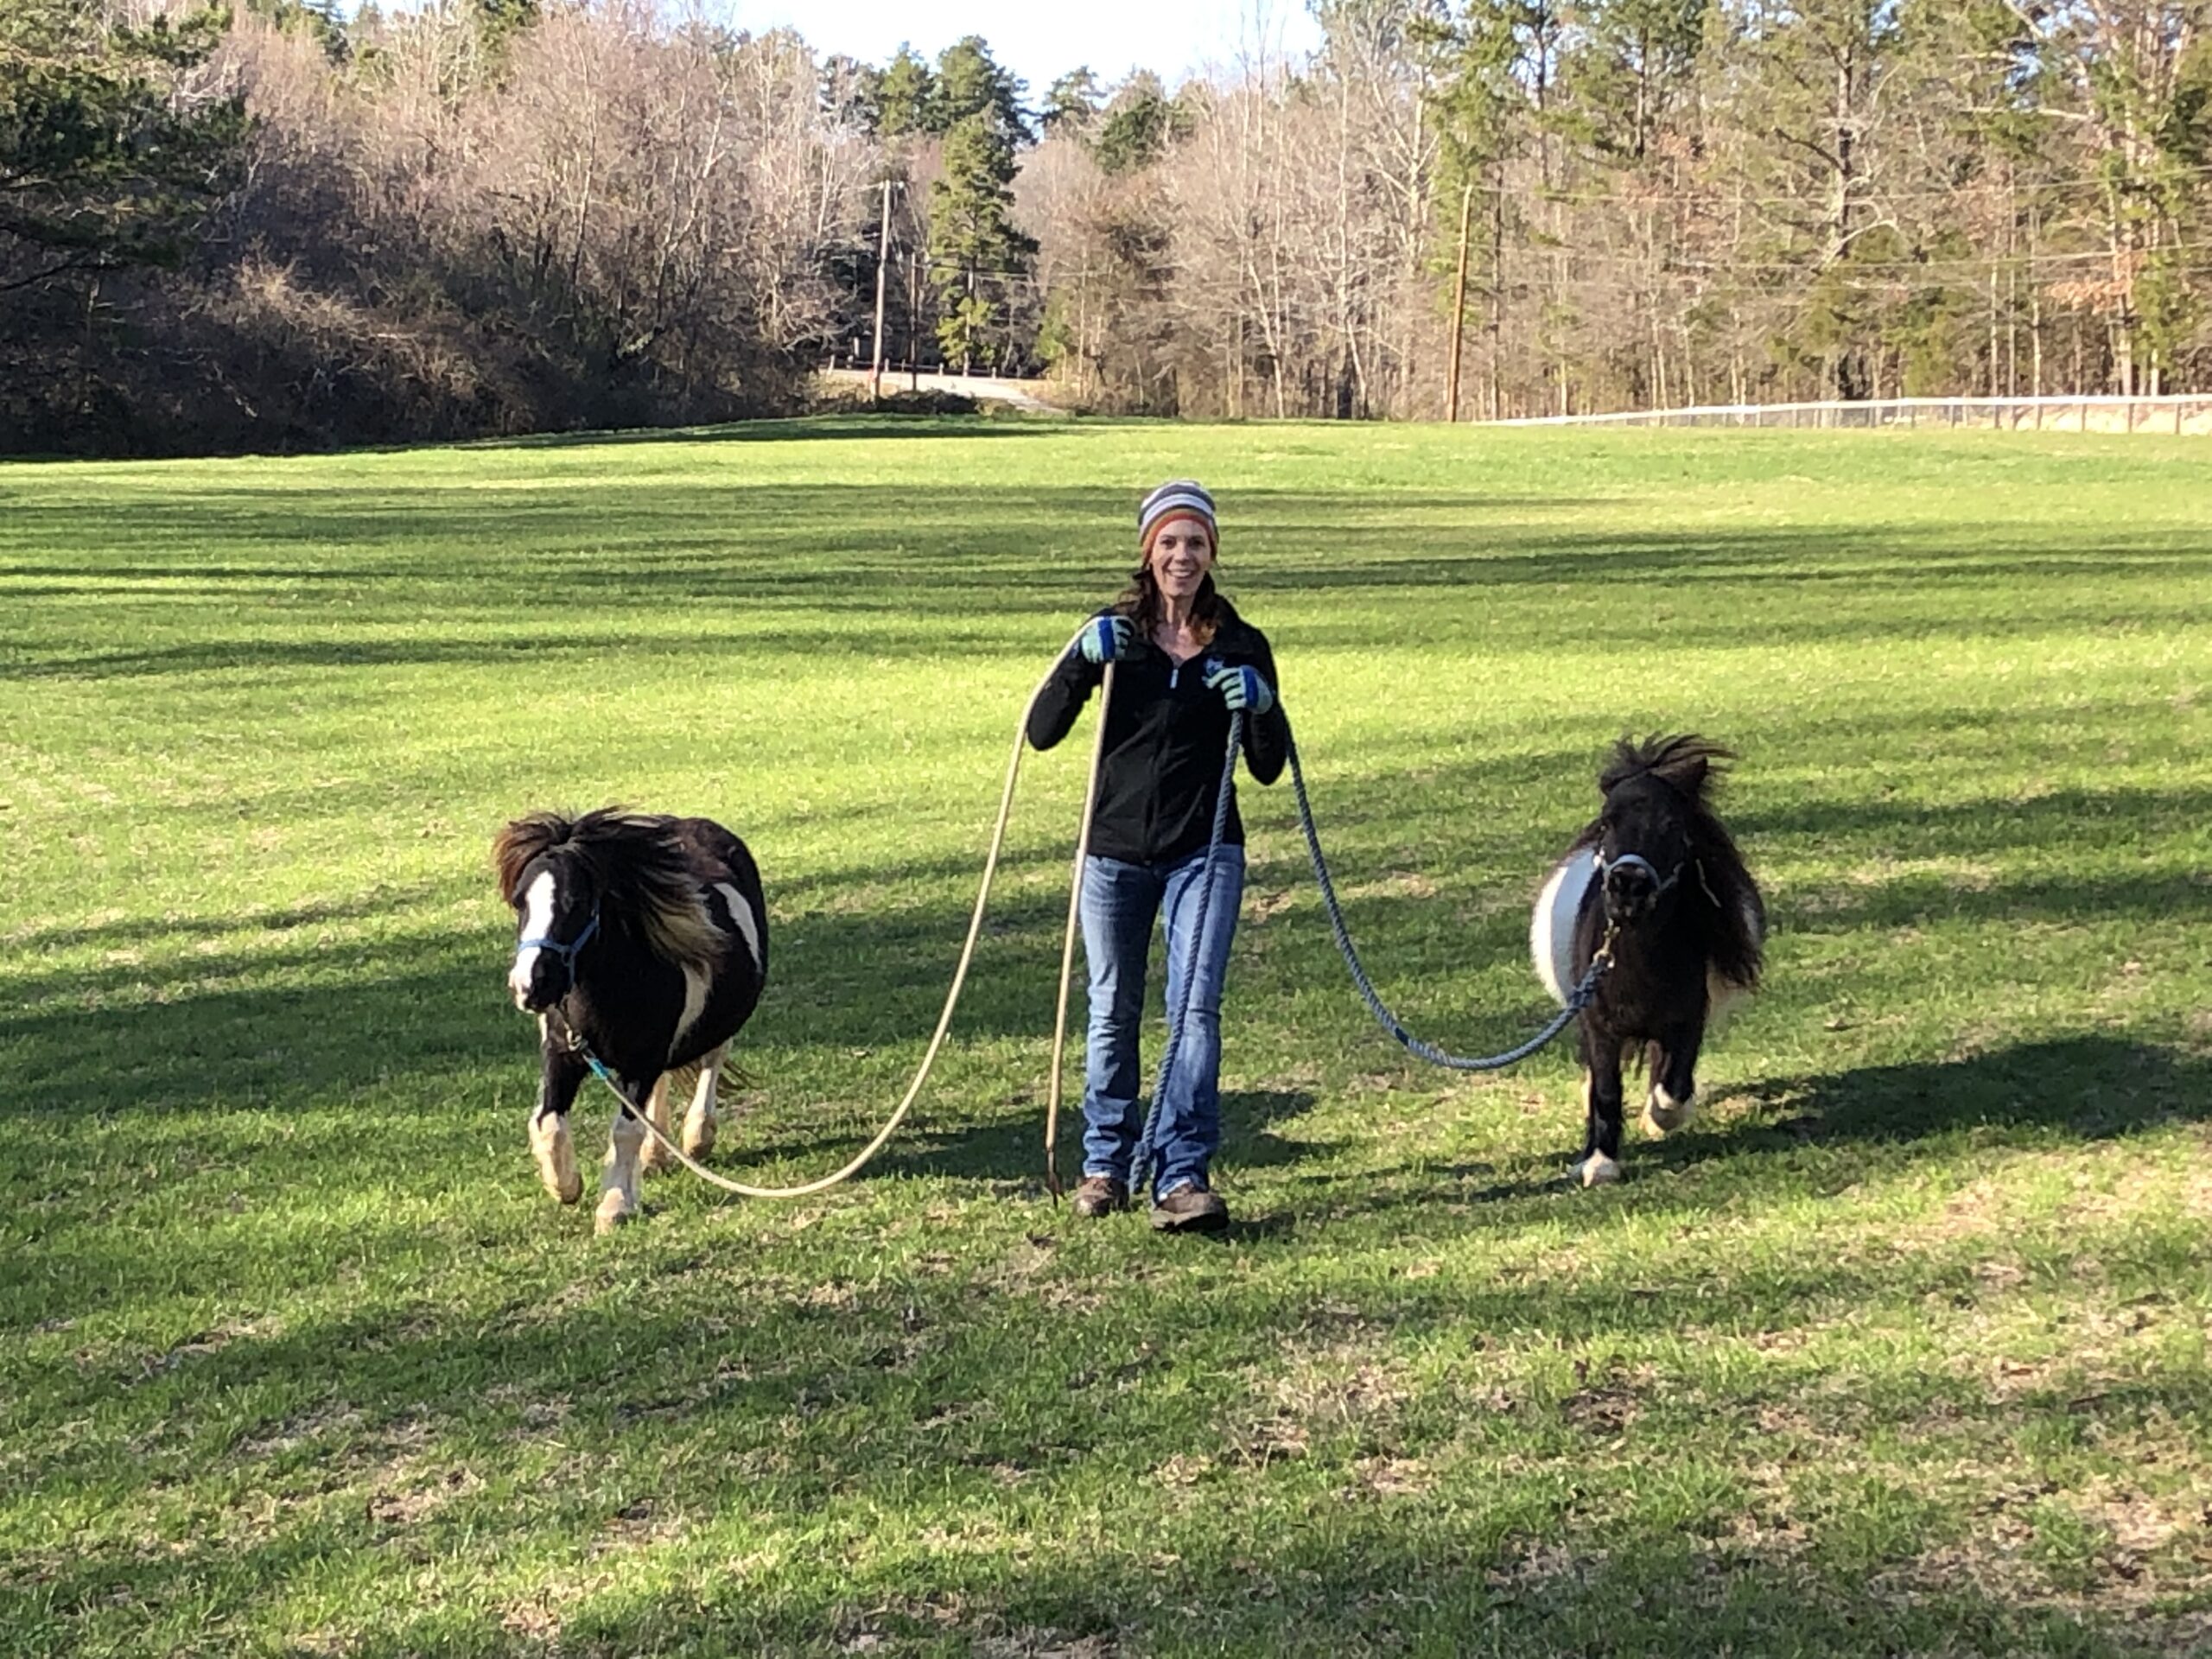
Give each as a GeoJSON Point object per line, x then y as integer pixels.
{"type": "Point", "coordinates": [638, 864]}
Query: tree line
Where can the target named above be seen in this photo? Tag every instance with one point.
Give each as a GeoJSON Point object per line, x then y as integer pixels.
{"type": "Point", "coordinates": [259, 225]}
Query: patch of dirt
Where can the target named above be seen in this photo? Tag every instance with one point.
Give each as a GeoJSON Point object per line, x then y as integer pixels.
{"type": "Point", "coordinates": [1390, 1477]}
{"type": "Point", "coordinates": [1183, 1470]}
{"type": "Point", "coordinates": [533, 1621]}
{"type": "Point", "coordinates": [1027, 1643]}
{"type": "Point", "coordinates": [2155, 1558]}
{"type": "Point", "coordinates": [213, 1340]}
{"type": "Point", "coordinates": [1279, 1439]}
{"type": "Point", "coordinates": [324, 1422]}
{"type": "Point", "coordinates": [1601, 1410]}
{"type": "Point", "coordinates": [1536, 1563]}
{"type": "Point", "coordinates": [409, 1496]}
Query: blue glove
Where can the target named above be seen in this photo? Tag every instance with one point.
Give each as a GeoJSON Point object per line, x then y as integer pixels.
{"type": "Point", "coordinates": [1107, 640]}
{"type": "Point", "coordinates": [1243, 688]}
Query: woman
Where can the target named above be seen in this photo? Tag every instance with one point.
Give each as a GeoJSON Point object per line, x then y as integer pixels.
{"type": "Point", "coordinates": [1184, 662]}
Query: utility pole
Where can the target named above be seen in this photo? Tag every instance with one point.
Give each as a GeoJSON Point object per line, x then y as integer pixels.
{"type": "Point", "coordinates": [882, 264]}
{"type": "Point", "coordinates": [1459, 306]}
{"type": "Point", "coordinates": [914, 316]}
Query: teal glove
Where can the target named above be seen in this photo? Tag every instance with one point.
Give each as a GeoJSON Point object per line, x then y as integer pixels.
{"type": "Point", "coordinates": [1243, 688]}
{"type": "Point", "coordinates": [1107, 640]}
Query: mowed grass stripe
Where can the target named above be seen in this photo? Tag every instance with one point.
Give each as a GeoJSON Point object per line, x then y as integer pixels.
{"type": "Point", "coordinates": [1901, 1347]}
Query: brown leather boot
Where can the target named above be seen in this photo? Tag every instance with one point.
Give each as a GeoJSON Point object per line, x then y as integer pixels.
{"type": "Point", "coordinates": [1100, 1195]}
{"type": "Point", "coordinates": [1190, 1208]}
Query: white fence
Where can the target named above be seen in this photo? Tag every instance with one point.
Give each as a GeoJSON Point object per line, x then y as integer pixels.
{"type": "Point", "coordinates": [2168, 415]}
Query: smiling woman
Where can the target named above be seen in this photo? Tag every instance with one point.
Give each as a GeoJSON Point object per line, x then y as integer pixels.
{"type": "Point", "coordinates": [1186, 663]}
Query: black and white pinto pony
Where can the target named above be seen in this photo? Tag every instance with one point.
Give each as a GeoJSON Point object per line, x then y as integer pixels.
{"type": "Point", "coordinates": [1659, 875]}
{"type": "Point", "coordinates": [642, 940]}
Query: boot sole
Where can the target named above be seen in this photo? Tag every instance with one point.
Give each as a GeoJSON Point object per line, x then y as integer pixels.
{"type": "Point", "coordinates": [1209, 1221]}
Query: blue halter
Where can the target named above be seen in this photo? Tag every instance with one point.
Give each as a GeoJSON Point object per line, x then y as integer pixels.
{"type": "Point", "coordinates": [567, 953]}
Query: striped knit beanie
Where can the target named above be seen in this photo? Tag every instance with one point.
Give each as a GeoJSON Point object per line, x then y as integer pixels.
{"type": "Point", "coordinates": [1179, 498]}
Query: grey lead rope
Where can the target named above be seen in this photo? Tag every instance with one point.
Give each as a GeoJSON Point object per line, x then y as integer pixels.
{"type": "Point", "coordinates": [1143, 1155]}
{"type": "Point", "coordinates": [1575, 1003]}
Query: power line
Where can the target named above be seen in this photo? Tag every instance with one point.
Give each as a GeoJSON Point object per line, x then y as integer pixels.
{"type": "Point", "coordinates": [2023, 188]}
{"type": "Point", "coordinates": [1898, 268]}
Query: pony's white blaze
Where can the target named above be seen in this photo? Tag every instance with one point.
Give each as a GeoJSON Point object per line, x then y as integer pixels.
{"type": "Point", "coordinates": [747, 923]}
{"type": "Point", "coordinates": [1551, 929]}
{"type": "Point", "coordinates": [536, 917]}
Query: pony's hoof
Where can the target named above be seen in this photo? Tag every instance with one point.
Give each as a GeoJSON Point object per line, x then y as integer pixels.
{"type": "Point", "coordinates": [1597, 1170]}
{"type": "Point", "coordinates": [1663, 1114]}
{"type": "Point", "coordinates": [655, 1158]}
{"type": "Point", "coordinates": [699, 1138]}
{"type": "Point", "coordinates": [556, 1159]}
{"type": "Point", "coordinates": [614, 1210]}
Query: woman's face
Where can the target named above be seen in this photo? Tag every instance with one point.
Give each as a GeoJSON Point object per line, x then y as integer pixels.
{"type": "Point", "coordinates": [1182, 553]}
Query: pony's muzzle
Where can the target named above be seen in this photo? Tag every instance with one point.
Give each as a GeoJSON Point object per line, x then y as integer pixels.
{"type": "Point", "coordinates": [1630, 890]}
{"type": "Point", "coordinates": [538, 980]}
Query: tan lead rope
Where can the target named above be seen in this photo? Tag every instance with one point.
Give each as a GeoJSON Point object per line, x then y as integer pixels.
{"type": "Point", "coordinates": [1067, 944]}
{"type": "Point", "coordinates": [860, 1160]}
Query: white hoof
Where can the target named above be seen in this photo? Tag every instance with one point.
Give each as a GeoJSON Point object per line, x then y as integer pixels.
{"type": "Point", "coordinates": [615, 1208]}
{"type": "Point", "coordinates": [1597, 1170]}
{"type": "Point", "coordinates": [655, 1157]}
{"type": "Point", "coordinates": [556, 1157]}
{"type": "Point", "coordinates": [1663, 1114]}
{"type": "Point", "coordinates": [698, 1136]}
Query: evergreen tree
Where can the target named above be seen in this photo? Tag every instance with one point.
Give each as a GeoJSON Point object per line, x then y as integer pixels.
{"type": "Point", "coordinates": [102, 165]}
{"type": "Point", "coordinates": [1635, 59]}
{"type": "Point", "coordinates": [1136, 129]}
{"type": "Point", "coordinates": [905, 95]}
{"type": "Point", "coordinates": [976, 255]}
{"type": "Point", "coordinates": [1072, 102]}
{"type": "Point", "coordinates": [970, 82]}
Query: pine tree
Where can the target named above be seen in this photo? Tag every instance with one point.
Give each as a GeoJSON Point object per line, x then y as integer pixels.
{"type": "Point", "coordinates": [103, 164]}
{"type": "Point", "coordinates": [1072, 102]}
{"type": "Point", "coordinates": [976, 255]}
{"type": "Point", "coordinates": [905, 95]}
{"type": "Point", "coordinates": [970, 82]}
{"type": "Point", "coordinates": [1136, 127]}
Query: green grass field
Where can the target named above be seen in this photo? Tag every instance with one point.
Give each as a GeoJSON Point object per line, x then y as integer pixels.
{"type": "Point", "coordinates": [1902, 1349]}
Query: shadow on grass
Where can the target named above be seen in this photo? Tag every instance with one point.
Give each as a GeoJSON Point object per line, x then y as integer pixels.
{"type": "Point", "coordinates": [801, 429]}
{"type": "Point", "coordinates": [2079, 1089]}
{"type": "Point", "coordinates": [1010, 1144]}
{"type": "Point", "coordinates": [1381, 1576]}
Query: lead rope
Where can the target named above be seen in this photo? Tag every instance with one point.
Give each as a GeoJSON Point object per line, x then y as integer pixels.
{"type": "Point", "coordinates": [860, 1160]}
{"type": "Point", "coordinates": [1600, 964]}
{"type": "Point", "coordinates": [1067, 943]}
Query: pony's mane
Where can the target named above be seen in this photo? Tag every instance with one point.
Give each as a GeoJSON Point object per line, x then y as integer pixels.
{"type": "Point", "coordinates": [639, 866]}
{"type": "Point", "coordinates": [1686, 763]}
{"type": "Point", "coordinates": [1724, 896]}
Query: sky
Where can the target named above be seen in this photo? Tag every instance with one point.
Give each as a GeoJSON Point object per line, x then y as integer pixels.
{"type": "Point", "coordinates": [1041, 40]}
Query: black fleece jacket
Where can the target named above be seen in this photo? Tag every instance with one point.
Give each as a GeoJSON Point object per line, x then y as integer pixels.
{"type": "Point", "coordinates": [1165, 735]}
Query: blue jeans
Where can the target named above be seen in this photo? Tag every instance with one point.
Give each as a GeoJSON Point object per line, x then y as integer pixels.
{"type": "Point", "coordinates": [1119, 903]}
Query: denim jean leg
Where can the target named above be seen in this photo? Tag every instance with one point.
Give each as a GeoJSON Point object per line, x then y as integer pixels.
{"type": "Point", "coordinates": [1119, 903]}
{"type": "Point", "coordinates": [1188, 1132]}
